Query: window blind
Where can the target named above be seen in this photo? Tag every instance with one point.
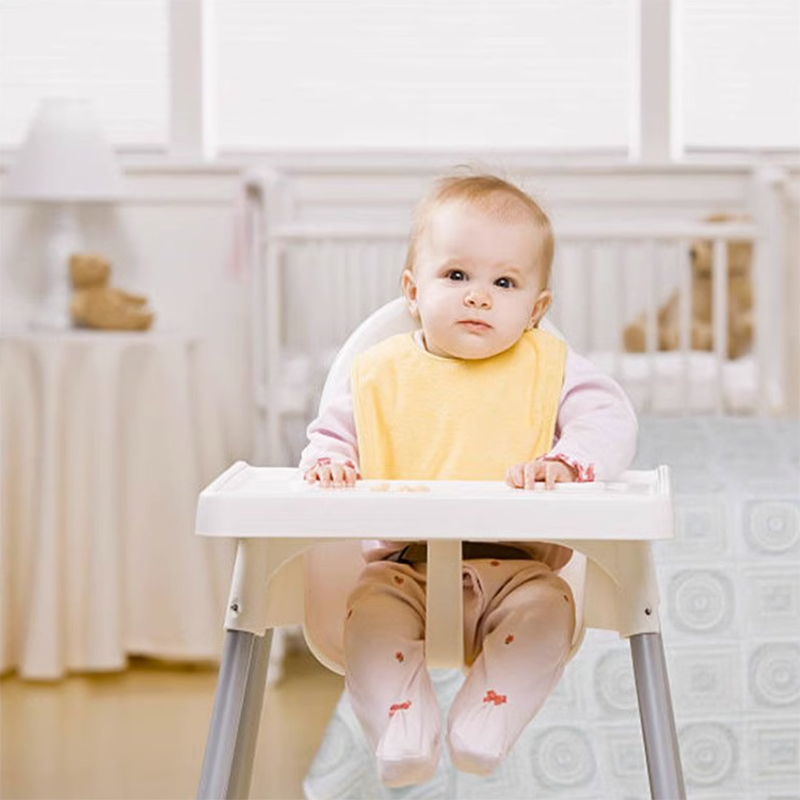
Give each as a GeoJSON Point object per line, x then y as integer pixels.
{"type": "Point", "coordinates": [112, 52]}
{"type": "Point", "coordinates": [433, 73]}
{"type": "Point", "coordinates": [739, 67]}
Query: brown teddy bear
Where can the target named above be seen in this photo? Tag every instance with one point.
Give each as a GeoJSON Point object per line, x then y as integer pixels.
{"type": "Point", "coordinates": [95, 304]}
{"type": "Point", "coordinates": [740, 302]}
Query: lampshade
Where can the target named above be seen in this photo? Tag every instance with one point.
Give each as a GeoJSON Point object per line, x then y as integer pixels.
{"type": "Point", "coordinates": [65, 157]}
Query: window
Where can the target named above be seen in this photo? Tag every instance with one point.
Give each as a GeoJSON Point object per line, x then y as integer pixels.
{"type": "Point", "coordinates": [739, 74]}
{"type": "Point", "coordinates": [113, 52]}
{"type": "Point", "coordinates": [423, 73]}
{"type": "Point", "coordinates": [406, 74]}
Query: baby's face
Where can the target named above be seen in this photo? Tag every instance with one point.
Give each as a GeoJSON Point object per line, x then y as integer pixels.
{"type": "Point", "coordinates": [477, 283]}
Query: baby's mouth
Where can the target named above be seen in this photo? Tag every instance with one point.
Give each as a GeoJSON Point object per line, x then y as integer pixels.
{"type": "Point", "coordinates": [475, 324]}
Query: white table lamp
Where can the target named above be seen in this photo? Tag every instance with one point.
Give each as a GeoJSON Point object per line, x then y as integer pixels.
{"type": "Point", "coordinates": [64, 160]}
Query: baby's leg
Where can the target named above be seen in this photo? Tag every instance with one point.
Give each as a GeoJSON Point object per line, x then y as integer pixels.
{"type": "Point", "coordinates": [385, 674]}
{"type": "Point", "coordinates": [526, 633]}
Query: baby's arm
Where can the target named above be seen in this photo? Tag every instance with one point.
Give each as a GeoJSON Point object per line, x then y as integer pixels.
{"type": "Point", "coordinates": [596, 427]}
{"type": "Point", "coordinates": [596, 431]}
{"type": "Point", "coordinates": [331, 456]}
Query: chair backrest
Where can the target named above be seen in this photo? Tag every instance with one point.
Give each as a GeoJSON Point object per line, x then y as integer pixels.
{"type": "Point", "coordinates": [389, 320]}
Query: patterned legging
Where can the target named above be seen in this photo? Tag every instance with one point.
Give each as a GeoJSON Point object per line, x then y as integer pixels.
{"type": "Point", "coordinates": [519, 620]}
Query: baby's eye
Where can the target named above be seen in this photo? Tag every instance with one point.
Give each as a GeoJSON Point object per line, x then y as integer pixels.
{"type": "Point", "coordinates": [504, 283]}
{"type": "Point", "coordinates": [456, 275]}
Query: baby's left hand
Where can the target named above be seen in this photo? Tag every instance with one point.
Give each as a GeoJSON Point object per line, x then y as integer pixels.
{"type": "Point", "coordinates": [525, 475]}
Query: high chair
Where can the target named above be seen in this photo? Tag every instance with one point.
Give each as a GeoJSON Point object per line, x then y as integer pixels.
{"type": "Point", "coordinates": [289, 533]}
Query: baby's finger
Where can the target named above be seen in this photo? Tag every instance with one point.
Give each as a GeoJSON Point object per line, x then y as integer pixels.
{"type": "Point", "coordinates": [549, 475]}
{"type": "Point", "coordinates": [337, 474]}
{"type": "Point", "coordinates": [350, 475]}
{"type": "Point", "coordinates": [532, 471]}
{"type": "Point", "coordinates": [515, 476]}
{"type": "Point", "coordinates": [325, 475]}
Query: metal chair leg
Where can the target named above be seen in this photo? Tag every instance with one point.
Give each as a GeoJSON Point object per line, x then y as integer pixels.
{"type": "Point", "coordinates": [658, 721]}
{"type": "Point", "coordinates": [238, 702]}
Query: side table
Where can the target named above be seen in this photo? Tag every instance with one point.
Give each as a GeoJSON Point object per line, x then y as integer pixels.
{"type": "Point", "coordinates": [105, 440]}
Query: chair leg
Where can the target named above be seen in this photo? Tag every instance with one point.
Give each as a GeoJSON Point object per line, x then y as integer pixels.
{"type": "Point", "coordinates": [658, 721]}
{"type": "Point", "coordinates": [238, 702]}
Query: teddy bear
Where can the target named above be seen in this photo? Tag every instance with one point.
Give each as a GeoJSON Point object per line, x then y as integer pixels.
{"type": "Point", "coordinates": [740, 302]}
{"type": "Point", "coordinates": [95, 304]}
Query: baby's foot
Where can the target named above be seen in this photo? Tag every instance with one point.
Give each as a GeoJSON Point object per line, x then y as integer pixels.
{"type": "Point", "coordinates": [478, 737]}
{"type": "Point", "coordinates": [409, 749]}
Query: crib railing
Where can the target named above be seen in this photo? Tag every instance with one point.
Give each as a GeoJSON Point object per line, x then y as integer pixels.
{"type": "Point", "coordinates": [314, 282]}
{"type": "Point", "coordinates": [604, 278]}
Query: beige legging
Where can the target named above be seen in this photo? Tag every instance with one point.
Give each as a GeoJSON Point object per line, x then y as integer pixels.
{"type": "Point", "coordinates": [519, 620]}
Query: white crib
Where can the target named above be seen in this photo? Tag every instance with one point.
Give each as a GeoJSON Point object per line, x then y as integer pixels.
{"type": "Point", "coordinates": [328, 249]}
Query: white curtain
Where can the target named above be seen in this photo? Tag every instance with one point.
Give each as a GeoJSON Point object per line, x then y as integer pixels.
{"type": "Point", "coordinates": [739, 68]}
{"type": "Point", "coordinates": [112, 52]}
{"type": "Point", "coordinates": [439, 73]}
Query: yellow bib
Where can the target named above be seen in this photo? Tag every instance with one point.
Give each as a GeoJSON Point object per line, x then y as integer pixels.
{"type": "Point", "coordinates": [422, 417]}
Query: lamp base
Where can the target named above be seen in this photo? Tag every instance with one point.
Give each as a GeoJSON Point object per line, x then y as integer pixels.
{"type": "Point", "coordinates": [62, 241]}
{"type": "Point", "coordinates": [55, 318]}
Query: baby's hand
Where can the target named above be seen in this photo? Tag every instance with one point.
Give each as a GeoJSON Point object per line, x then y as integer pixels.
{"type": "Point", "coordinates": [331, 475]}
{"type": "Point", "coordinates": [525, 475]}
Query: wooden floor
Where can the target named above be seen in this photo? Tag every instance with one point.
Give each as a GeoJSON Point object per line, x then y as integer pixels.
{"type": "Point", "coordinates": [140, 734]}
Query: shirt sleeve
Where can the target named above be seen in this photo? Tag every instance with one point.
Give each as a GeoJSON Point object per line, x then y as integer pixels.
{"type": "Point", "coordinates": [332, 434]}
{"type": "Point", "coordinates": [596, 426]}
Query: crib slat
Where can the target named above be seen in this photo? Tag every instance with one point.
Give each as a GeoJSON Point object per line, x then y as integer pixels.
{"type": "Point", "coordinates": [776, 211]}
{"type": "Point", "coordinates": [589, 276]}
{"type": "Point", "coordinates": [651, 317]}
{"type": "Point", "coordinates": [685, 301]}
{"type": "Point", "coordinates": [719, 280]}
{"type": "Point", "coordinates": [257, 306]}
{"type": "Point", "coordinates": [618, 265]}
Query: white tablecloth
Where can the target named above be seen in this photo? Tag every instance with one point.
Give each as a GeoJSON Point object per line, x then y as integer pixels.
{"type": "Point", "coordinates": [106, 440]}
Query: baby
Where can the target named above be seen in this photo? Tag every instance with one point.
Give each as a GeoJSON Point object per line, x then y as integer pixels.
{"type": "Point", "coordinates": [479, 392]}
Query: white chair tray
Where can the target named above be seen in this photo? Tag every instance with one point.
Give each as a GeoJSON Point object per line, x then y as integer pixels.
{"type": "Point", "coordinates": [275, 502]}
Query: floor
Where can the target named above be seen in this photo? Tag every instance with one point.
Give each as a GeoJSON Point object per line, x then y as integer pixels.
{"type": "Point", "coordinates": [141, 734]}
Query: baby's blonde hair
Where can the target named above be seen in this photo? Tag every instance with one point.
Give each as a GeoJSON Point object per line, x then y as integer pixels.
{"type": "Point", "coordinates": [496, 196]}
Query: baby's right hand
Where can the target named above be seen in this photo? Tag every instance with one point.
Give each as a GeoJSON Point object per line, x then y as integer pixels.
{"type": "Point", "coordinates": [332, 475]}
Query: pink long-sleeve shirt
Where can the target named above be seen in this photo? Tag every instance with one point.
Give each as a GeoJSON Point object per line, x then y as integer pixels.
{"type": "Point", "coordinates": [596, 430]}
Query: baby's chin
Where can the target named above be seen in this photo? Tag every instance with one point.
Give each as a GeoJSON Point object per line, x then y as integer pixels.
{"type": "Point", "coordinates": [473, 351]}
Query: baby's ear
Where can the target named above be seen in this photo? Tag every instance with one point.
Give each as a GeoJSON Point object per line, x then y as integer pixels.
{"type": "Point", "coordinates": [540, 307]}
{"type": "Point", "coordinates": [409, 286]}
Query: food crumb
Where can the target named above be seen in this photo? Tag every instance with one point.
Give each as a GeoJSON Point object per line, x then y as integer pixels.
{"type": "Point", "coordinates": [405, 487]}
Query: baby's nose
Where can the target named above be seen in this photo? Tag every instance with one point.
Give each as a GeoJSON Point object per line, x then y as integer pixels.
{"type": "Point", "coordinates": [477, 298]}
